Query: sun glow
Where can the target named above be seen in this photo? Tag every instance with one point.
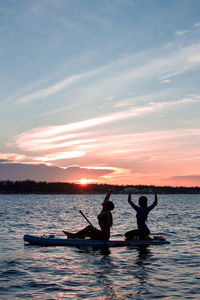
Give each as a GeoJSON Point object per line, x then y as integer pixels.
{"type": "Point", "coordinates": [85, 181]}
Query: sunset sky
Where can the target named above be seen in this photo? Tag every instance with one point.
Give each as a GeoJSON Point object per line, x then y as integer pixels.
{"type": "Point", "coordinates": [105, 91]}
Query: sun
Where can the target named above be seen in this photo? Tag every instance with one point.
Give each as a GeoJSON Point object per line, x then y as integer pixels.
{"type": "Point", "coordinates": [84, 181]}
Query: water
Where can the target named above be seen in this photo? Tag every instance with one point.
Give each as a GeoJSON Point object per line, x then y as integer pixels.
{"type": "Point", "coordinates": [34, 272]}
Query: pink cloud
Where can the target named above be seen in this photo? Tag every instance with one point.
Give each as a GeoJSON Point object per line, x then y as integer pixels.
{"type": "Point", "coordinates": [43, 138]}
{"type": "Point", "coordinates": [138, 157]}
{"type": "Point", "coordinates": [13, 157]}
{"type": "Point", "coordinates": [62, 136]}
{"type": "Point", "coordinates": [60, 155]}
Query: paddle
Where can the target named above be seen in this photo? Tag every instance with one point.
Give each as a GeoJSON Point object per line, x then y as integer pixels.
{"type": "Point", "coordinates": [86, 218]}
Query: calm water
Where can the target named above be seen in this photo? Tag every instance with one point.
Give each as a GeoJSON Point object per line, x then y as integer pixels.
{"type": "Point", "coordinates": [165, 272]}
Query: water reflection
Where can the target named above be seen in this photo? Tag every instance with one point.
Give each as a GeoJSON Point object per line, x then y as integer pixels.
{"type": "Point", "coordinates": [144, 254]}
{"type": "Point", "coordinates": [142, 261]}
{"type": "Point", "coordinates": [94, 250]}
{"type": "Point", "coordinates": [104, 276]}
{"type": "Point", "coordinates": [133, 274]}
{"type": "Point", "coordinates": [140, 272]}
{"type": "Point", "coordinates": [103, 270]}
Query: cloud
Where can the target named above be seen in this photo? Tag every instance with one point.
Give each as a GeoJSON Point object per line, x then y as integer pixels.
{"type": "Point", "coordinates": [119, 155]}
{"type": "Point", "coordinates": [166, 81]}
{"type": "Point", "coordinates": [49, 173]}
{"type": "Point", "coordinates": [196, 24]}
{"type": "Point", "coordinates": [48, 158]}
{"type": "Point", "coordinates": [116, 157]}
{"type": "Point", "coordinates": [12, 157]}
{"type": "Point", "coordinates": [109, 98]}
{"type": "Point", "coordinates": [47, 138]}
{"type": "Point", "coordinates": [164, 63]}
{"type": "Point", "coordinates": [186, 179]}
{"type": "Point", "coordinates": [181, 33]}
{"type": "Point", "coordinates": [55, 88]}
{"type": "Point", "coordinates": [59, 155]}
{"type": "Point", "coordinates": [58, 86]}
{"type": "Point", "coordinates": [72, 135]}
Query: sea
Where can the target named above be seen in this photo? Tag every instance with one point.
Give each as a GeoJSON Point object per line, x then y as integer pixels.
{"type": "Point", "coordinates": [170, 271]}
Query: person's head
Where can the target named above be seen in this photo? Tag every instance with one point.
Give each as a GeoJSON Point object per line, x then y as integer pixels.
{"type": "Point", "coordinates": [143, 201]}
{"type": "Point", "coordinates": [108, 205]}
{"type": "Point", "coordinates": [143, 204]}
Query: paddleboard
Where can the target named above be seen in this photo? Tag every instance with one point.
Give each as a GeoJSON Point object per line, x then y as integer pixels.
{"type": "Point", "coordinates": [53, 241]}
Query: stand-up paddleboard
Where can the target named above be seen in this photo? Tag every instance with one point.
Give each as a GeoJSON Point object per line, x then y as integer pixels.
{"type": "Point", "coordinates": [52, 241]}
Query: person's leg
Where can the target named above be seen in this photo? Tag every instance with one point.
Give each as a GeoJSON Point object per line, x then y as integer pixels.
{"type": "Point", "coordinates": [88, 231]}
{"type": "Point", "coordinates": [144, 234]}
{"type": "Point", "coordinates": [69, 234]}
{"type": "Point", "coordinates": [132, 234]}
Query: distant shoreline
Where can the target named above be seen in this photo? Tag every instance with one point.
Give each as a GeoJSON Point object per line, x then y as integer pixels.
{"type": "Point", "coordinates": [33, 187]}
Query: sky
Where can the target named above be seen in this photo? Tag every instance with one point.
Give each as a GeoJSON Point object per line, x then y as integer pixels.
{"type": "Point", "coordinates": [105, 91]}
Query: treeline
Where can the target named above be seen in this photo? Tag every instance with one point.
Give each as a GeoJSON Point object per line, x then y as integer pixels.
{"type": "Point", "coordinates": [33, 187]}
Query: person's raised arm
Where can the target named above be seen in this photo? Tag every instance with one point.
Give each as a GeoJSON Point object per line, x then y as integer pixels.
{"type": "Point", "coordinates": [129, 199]}
{"type": "Point", "coordinates": [156, 197]}
{"type": "Point", "coordinates": [108, 196]}
{"type": "Point", "coordinates": [131, 202]}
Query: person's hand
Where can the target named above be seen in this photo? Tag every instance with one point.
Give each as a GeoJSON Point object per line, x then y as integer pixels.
{"type": "Point", "coordinates": [129, 197]}
{"type": "Point", "coordinates": [156, 198]}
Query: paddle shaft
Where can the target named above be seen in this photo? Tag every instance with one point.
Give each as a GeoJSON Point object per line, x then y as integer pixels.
{"type": "Point", "coordinates": [85, 218]}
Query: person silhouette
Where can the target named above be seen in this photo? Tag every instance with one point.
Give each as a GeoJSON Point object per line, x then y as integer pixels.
{"type": "Point", "coordinates": [105, 221]}
{"type": "Point", "coordinates": [142, 212]}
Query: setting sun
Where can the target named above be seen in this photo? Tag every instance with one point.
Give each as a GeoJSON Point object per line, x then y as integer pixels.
{"type": "Point", "coordinates": [84, 181]}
